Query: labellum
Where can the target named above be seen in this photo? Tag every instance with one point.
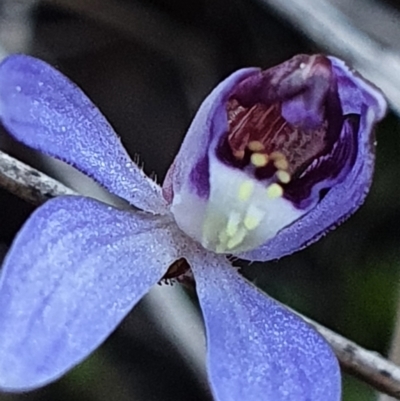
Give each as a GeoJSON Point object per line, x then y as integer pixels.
{"type": "Point", "coordinates": [287, 141]}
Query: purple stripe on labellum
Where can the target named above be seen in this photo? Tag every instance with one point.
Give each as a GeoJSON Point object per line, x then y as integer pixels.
{"type": "Point", "coordinates": [201, 176]}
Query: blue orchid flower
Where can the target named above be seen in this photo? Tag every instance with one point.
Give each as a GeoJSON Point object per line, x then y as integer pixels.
{"type": "Point", "coordinates": [271, 162]}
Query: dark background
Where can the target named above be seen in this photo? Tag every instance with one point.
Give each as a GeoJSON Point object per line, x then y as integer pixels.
{"type": "Point", "coordinates": [148, 65]}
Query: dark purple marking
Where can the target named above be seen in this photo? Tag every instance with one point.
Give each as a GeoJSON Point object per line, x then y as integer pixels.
{"type": "Point", "coordinates": [293, 109]}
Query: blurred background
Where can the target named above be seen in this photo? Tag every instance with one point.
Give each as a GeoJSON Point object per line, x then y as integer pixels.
{"type": "Point", "coordinates": [147, 64]}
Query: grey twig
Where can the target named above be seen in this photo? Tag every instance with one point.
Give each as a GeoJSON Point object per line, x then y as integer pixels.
{"type": "Point", "coordinates": [28, 183]}
{"type": "Point", "coordinates": [366, 365]}
{"type": "Point", "coordinates": [36, 187]}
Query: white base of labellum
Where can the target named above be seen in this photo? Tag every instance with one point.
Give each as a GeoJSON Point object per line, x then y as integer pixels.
{"type": "Point", "coordinates": [243, 213]}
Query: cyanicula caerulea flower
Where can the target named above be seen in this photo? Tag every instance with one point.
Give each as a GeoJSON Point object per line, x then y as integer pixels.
{"type": "Point", "coordinates": [272, 160]}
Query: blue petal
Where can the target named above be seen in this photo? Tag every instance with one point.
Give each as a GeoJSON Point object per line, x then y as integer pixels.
{"type": "Point", "coordinates": [75, 270]}
{"type": "Point", "coordinates": [257, 349]}
{"type": "Point", "coordinates": [44, 110]}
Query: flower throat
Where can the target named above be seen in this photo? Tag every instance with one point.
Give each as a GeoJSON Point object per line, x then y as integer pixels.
{"type": "Point", "coordinates": [260, 136]}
